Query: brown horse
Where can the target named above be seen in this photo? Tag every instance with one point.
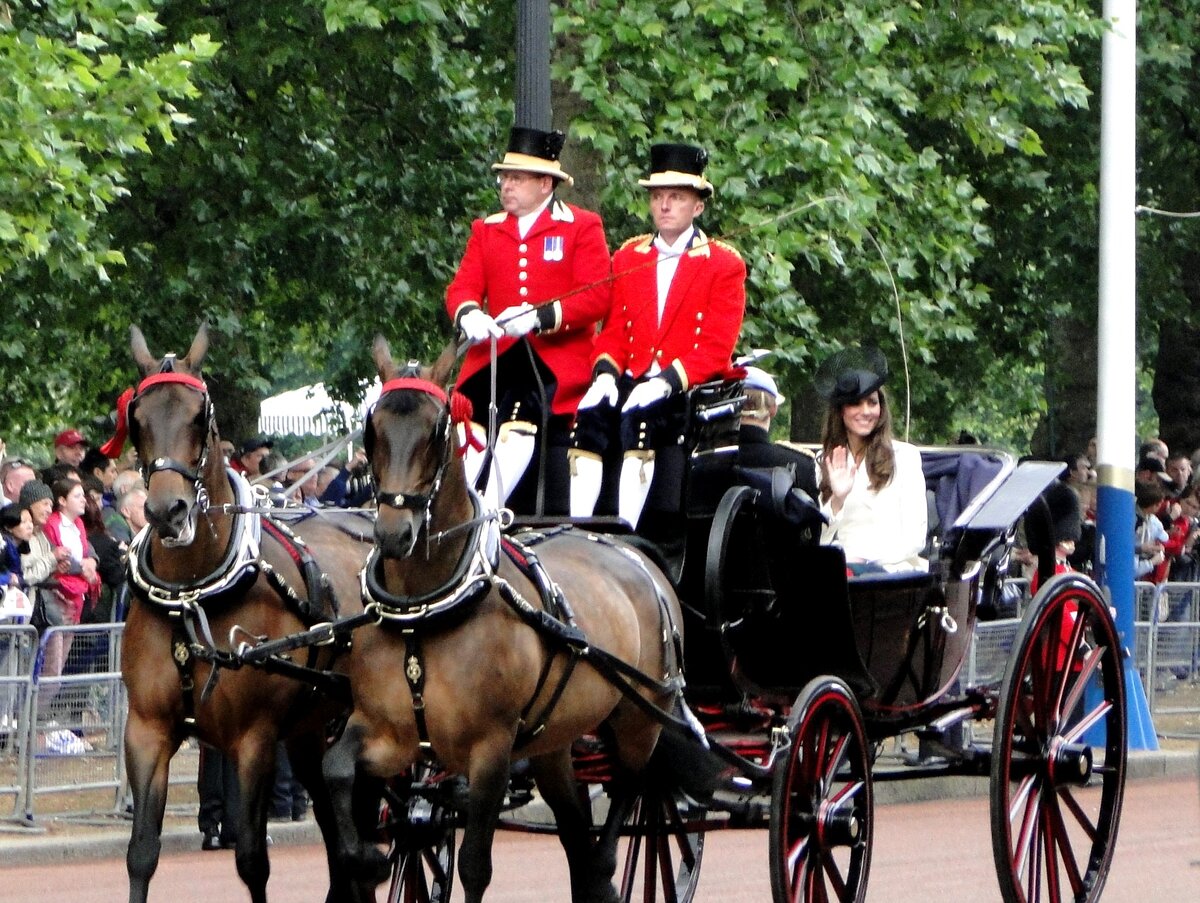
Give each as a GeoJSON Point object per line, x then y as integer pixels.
{"type": "Point", "coordinates": [482, 682]}
{"type": "Point", "coordinates": [204, 565]}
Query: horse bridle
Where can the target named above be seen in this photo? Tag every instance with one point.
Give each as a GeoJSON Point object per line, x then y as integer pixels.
{"type": "Point", "coordinates": [414, 501]}
{"type": "Point", "coordinates": [167, 374]}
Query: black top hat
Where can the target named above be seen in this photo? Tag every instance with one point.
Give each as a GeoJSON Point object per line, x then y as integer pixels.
{"type": "Point", "coordinates": [678, 166]}
{"type": "Point", "coordinates": [851, 374]}
{"type": "Point", "coordinates": [532, 150]}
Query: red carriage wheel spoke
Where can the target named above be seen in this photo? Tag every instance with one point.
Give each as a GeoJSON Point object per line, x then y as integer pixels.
{"type": "Point", "coordinates": [1057, 829]}
{"type": "Point", "coordinates": [837, 758]}
{"type": "Point", "coordinates": [665, 870]}
{"type": "Point", "coordinates": [1088, 669]}
{"type": "Point", "coordinates": [1082, 819]}
{"type": "Point", "coordinates": [1050, 850]}
{"type": "Point", "coordinates": [665, 843]}
{"type": "Point", "coordinates": [833, 873]}
{"type": "Point", "coordinates": [1025, 836]}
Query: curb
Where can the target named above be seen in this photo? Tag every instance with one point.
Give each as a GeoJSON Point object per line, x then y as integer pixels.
{"type": "Point", "coordinates": [112, 842]}
{"type": "Point", "coordinates": [48, 848]}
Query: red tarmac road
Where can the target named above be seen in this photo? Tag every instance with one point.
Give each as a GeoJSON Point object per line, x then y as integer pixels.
{"type": "Point", "coordinates": [923, 851]}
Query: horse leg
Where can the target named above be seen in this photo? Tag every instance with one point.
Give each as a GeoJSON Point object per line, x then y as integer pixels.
{"type": "Point", "coordinates": [148, 750]}
{"type": "Point", "coordinates": [488, 780]}
{"type": "Point", "coordinates": [255, 758]}
{"type": "Point", "coordinates": [591, 880]}
{"type": "Point", "coordinates": [348, 791]}
{"type": "Point", "coordinates": [306, 754]}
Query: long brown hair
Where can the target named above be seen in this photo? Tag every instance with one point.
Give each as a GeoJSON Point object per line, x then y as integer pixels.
{"type": "Point", "coordinates": [879, 457]}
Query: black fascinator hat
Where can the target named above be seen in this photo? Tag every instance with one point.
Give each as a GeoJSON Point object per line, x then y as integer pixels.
{"type": "Point", "coordinates": [851, 374]}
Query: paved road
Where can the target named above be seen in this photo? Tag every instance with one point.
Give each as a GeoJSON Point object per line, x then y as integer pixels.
{"type": "Point", "coordinates": [923, 851]}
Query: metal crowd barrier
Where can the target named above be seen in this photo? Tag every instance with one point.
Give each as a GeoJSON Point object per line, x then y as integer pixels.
{"type": "Point", "coordinates": [18, 654]}
{"type": "Point", "coordinates": [77, 724]}
{"type": "Point", "coordinates": [1169, 646]}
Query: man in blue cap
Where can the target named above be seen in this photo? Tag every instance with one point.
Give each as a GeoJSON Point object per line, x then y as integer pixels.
{"type": "Point", "coordinates": [755, 448]}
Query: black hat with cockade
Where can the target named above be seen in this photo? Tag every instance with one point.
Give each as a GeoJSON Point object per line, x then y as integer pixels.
{"type": "Point", "coordinates": [532, 150]}
{"type": "Point", "coordinates": [851, 374]}
{"type": "Point", "coordinates": [678, 166]}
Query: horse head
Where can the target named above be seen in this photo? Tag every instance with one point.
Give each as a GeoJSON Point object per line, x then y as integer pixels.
{"type": "Point", "coordinates": [410, 443]}
{"type": "Point", "coordinates": [172, 427]}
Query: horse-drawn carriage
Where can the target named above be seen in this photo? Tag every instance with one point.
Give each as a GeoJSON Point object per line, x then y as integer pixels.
{"type": "Point", "coordinates": [560, 650]}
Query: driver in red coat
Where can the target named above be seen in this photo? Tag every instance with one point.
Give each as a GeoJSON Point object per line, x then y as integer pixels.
{"type": "Point", "coordinates": [534, 279]}
{"type": "Point", "coordinates": [677, 306]}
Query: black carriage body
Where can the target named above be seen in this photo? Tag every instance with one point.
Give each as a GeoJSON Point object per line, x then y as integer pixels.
{"type": "Point", "coordinates": [768, 609]}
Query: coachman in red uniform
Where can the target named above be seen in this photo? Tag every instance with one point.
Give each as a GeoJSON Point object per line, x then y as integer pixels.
{"type": "Point", "coordinates": [677, 305]}
{"type": "Point", "coordinates": [534, 279]}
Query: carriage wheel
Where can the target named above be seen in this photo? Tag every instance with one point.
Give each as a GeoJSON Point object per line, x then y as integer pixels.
{"type": "Point", "coordinates": [425, 875]}
{"type": "Point", "coordinates": [422, 845]}
{"type": "Point", "coordinates": [660, 845]}
{"type": "Point", "coordinates": [1059, 751]}
{"type": "Point", "coordinates": [821, 800]}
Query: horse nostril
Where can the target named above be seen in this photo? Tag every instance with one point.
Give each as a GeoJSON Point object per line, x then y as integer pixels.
{"type": "Point", "coordinates": [178, 510]}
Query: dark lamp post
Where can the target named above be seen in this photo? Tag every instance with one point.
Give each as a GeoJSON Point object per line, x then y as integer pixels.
{"type": "Point", "coordinates": [533, 65]}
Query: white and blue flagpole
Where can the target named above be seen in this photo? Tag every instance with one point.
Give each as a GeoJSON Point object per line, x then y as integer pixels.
{"type": "Point", "coordinates": [1116, 403]}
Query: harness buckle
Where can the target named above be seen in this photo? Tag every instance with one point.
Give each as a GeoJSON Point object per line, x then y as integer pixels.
{"type": "Point", "coordinates": [328, 628]}
{"type": "Point", "coordinates": [164, 597]}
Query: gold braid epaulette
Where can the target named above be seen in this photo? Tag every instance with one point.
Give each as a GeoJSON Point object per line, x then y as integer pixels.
{"type": "Point", "coordinates": [726, 246]}
{"type": "Point", "coordinates": [634, 240]}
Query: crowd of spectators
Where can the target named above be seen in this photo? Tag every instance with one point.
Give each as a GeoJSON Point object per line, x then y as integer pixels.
{"type": "Point", "coordinates": [66, 523]}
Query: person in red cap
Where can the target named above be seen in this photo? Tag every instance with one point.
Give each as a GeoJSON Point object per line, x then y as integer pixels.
{"type": "Point", "coordinates": [69, 448]}
{"type": "Point", "coordinates": [677, 307]}
{"type": "Point", "coordinates": [533, 279]}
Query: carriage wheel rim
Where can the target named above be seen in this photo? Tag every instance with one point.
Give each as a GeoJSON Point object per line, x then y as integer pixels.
{"type": "Point", "coordinates": [824, 813]}
{"type": "Point", "coordinates": [1052, 840]}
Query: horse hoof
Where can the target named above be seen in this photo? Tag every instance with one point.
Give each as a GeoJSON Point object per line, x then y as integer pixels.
{"type": "Point", "coordinates": [369, 864]}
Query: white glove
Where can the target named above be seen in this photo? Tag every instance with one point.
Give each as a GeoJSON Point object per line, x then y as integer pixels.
{"type": "Point", "coordinates": [603, 389]}
{"type": "Point", "coordinates": [478, 327]}
{"type": "Point", "coordinates": [517, 321]}
{"type": "Point", "coordinates": [645, 394]}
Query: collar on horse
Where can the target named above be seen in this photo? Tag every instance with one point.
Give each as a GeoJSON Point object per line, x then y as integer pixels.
{"type": "Point", "coordinates": [471, 579]}
{"type": "Point", "coordinates": [238, 566]}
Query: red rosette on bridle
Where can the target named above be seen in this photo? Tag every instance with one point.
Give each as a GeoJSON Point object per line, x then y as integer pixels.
{"type": "Point", "coordinates": [114, 446]}
{"type": "Point", "coordinates": [462, 411]}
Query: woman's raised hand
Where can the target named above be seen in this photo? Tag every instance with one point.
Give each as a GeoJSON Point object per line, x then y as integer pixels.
{"type": "Point", "coordinates": [840, 468]}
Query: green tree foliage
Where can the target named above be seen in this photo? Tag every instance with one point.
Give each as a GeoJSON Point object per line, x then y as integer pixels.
{"type": "Point", "coordinates": [88, 86]}
{"type": "Point", "coordinates": [339, 149]}
{"type": "Point", "coordinates": [321, 195]}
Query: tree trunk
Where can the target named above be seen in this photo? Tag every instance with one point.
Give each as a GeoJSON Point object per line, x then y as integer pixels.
{"type": "Point", "coordinates": [1177, 384]}
{"type": "Point", "coordinates": [1071, 373]}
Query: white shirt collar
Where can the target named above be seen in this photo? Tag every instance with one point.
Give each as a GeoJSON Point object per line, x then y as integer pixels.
{"type": "Point", "coordinates": [525, 223]}
{"type": "Point", "coordinates": [680, 244]}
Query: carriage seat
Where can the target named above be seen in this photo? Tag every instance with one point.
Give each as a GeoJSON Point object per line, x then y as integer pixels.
{"type": "Point", "coordinates": [954, 478]}
{"type": "Point", "coordinates": [778, 498]}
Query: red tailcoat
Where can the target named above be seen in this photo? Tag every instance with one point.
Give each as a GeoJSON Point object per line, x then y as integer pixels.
{"type": "Point", "coordinates": [701, 319]}
{"type": "Point", "coordinates": [562, 260]}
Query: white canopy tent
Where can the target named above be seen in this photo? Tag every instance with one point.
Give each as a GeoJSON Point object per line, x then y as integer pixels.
{"type": "Point", "coordinates": [309, 411]}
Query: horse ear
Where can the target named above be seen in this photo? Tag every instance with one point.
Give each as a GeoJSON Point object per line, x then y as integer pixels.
{"type": "Point", "coordinates": [440, 374]}
{"type": "Point", "coordinates": [195, 355]}
{"type": "Point", "coordinates": [141, 354]}
{"type": "Point", "coordinates": [382, 353]}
